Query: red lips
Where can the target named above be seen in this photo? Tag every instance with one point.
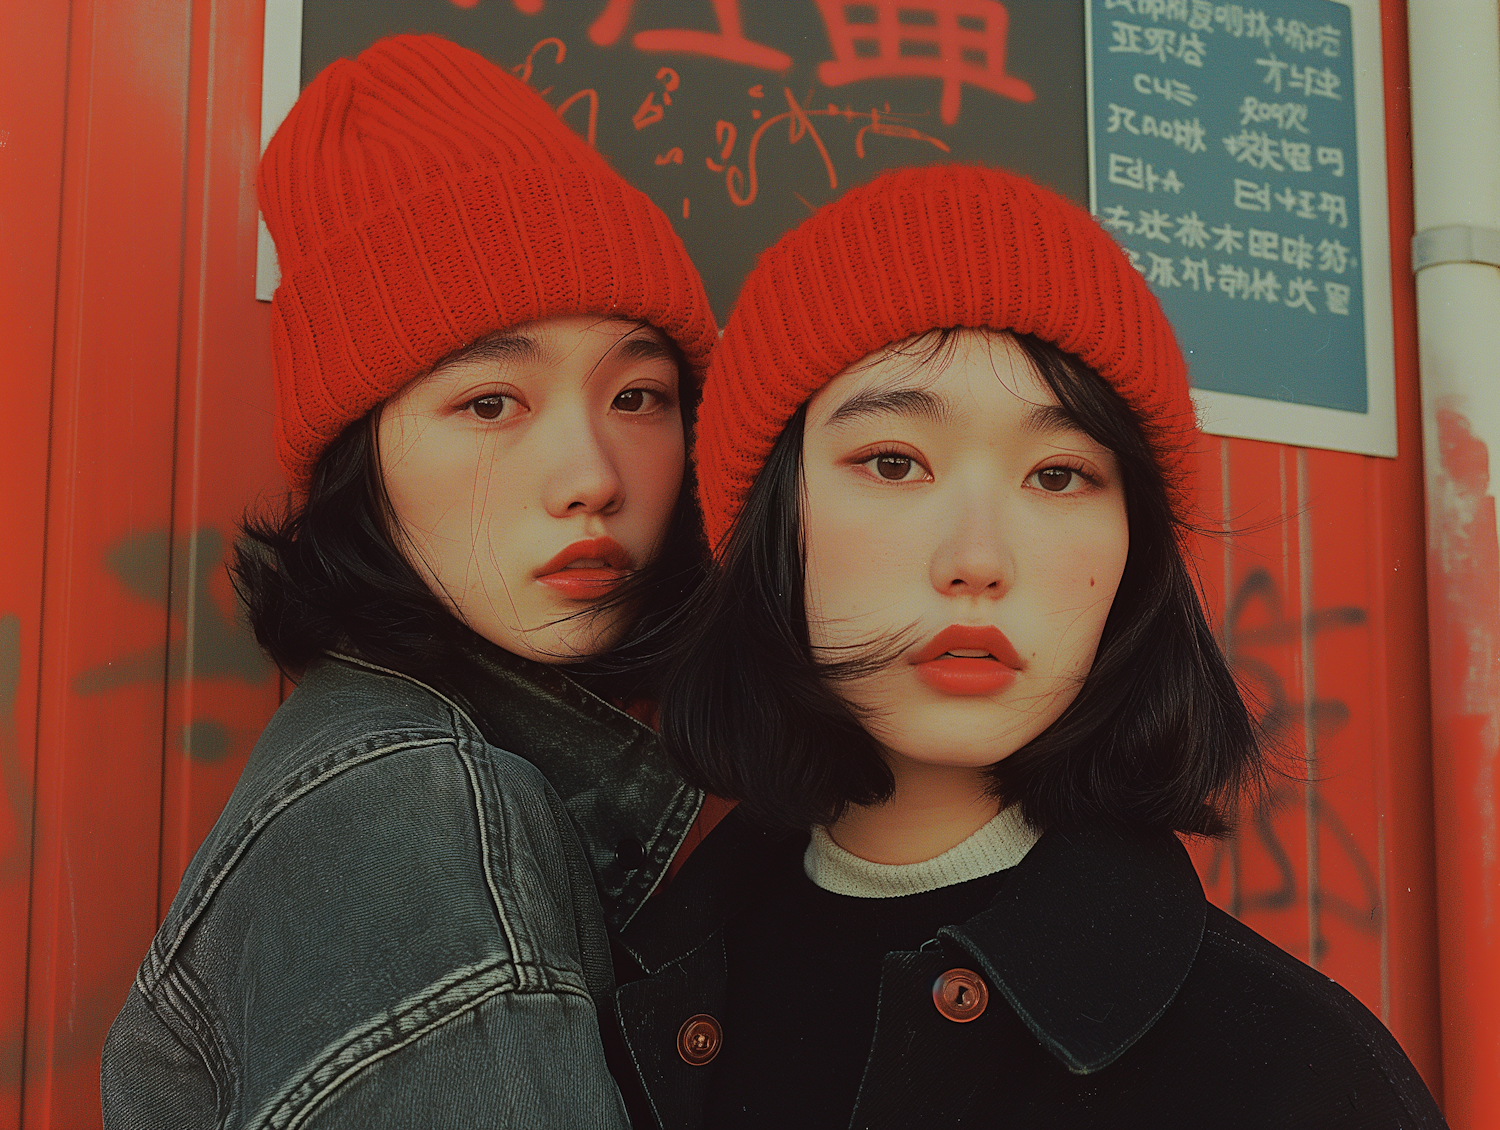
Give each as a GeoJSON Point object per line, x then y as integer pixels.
{"type": "Point", "coordinates": [967, 674]}
{"type": "Point", "coordinates": [588, 581]}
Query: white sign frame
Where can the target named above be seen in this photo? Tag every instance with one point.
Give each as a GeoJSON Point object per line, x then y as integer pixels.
{"type": "Point", "coordinates": [280, 83]}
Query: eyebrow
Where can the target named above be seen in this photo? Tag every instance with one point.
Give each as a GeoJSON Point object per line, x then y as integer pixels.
{"type": "Point", "coordinates": [498, 347]}
{"type": "Point", "coordinates": [645, 349]}
{"type": "Point", "coordinates": [1043, 418]}
{"type": "Point", "coordinates": [915, 402]}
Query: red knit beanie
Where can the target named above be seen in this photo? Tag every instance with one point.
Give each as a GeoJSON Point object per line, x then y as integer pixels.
{"type": "Point", "coordinates": [921, 249]}
{"type": "Point", "coordinates": [421, 198]}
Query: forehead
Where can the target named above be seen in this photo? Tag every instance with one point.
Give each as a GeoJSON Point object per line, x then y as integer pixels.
{"type": "Point", "coordinates": [943, 378]}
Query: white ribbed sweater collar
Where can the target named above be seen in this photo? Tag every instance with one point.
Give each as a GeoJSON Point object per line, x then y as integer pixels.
{"type": "Point", "coordinates": [1001, 843]}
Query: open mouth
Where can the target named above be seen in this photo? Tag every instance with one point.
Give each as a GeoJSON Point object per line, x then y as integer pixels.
{"type": "Point", "coordinates": [966, 660]}
{"type": "Point", "coordinates": [587, 569]}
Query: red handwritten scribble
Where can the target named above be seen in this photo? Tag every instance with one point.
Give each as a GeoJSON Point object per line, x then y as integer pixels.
{"type": "Point", "coordinates": [648, 113]}
{"type": "Point", "coordinates": [891, 129]}
{"type": "Point", "coordinates": [958, 41]}
{"type": "Point", "coordinates": [800, 125]}
{"type": "Point", "coordinates": [672, 156]}
{"type": "Point", "coordinates": [593, 96]}
{"type": "Point", "coordinates": [725, 134]}
{"type": "Point", "coordinates": [728, 43]}
{"type": "Point", "coordinates": [525, 7]}
{"type": "Point", "coordinates": [523, 70]}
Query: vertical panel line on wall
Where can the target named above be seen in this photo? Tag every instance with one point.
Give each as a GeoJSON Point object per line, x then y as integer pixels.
{"type": "Point", "coordinates": [175, 568]}
{"type": "Point", "coordinates": [48, 527]}
{"type": "Point", "coordinates": [1309, 703]}
{"type": "Point", "coordinates": [1226, 531]}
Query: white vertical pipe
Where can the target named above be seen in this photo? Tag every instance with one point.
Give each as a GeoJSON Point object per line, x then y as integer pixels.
{"type": "Point", "coordinates": [1455, 69]}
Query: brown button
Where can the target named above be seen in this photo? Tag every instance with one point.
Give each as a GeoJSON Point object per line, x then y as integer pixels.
{"type": "Point", "coordinates": [699, 1039]}
{"type": "Point", "coordinates": [960, 995]}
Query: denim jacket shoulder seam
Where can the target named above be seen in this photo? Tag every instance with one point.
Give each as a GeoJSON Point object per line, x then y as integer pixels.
{"type": "Point", "coordinates": [486, 857]}
{"type": "Point", "coordinates": [159, 957]}
{"type": "Point", "coordinates": [215, 1066]}
{"type": "Point", "coordinates": [390, 1032]}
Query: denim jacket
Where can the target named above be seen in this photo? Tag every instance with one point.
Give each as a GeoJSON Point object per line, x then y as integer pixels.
{"type": "Point", "coordinates": [395, 921]}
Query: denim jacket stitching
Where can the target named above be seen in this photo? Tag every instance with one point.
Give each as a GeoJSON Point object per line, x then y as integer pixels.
{"type": "Point", "coordinates": [468, 733]}
{"type": "Point", "coordinates": [477, 796]}
{"type": "Point", "coordinates": [303, 783]}
{"type": "Point", "coordinates": [459, 993]}
{"type": "Point", "coordinates": [638, 885]}
{"type": "Point", "coordinates": [179, 1006]}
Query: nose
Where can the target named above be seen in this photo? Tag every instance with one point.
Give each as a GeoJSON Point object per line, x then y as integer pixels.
{"type": "Point", "coordinates": [582, 477]}
{"type": "Point", "coordinates": [973, 557]}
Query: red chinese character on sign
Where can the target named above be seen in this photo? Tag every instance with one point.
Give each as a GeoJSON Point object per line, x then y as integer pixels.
{"type": "Point", "coordinates": [957, 41]}
{"type": "Point", "coordinates": [728, 42]}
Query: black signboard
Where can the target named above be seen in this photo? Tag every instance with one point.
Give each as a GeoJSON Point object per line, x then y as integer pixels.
{"type": "Point", "coordinates": [741, 117]}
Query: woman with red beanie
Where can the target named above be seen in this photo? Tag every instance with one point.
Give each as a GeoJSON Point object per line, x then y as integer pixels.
{"type": "Point", "coordinates": [487, 349]}
{"type": "Point", "coordinates": [941, 459]}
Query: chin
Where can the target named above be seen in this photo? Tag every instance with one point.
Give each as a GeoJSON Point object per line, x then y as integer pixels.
{"type": "Point", "coordinates": [551, 640]}
{"type": "Point", "coordinates": [960, 732]}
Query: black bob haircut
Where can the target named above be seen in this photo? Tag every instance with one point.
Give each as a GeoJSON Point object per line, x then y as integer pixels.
{"type": "Point", "coordinates": [327, 576]}
{"type": "Point", "coordinates": [1158, 736]}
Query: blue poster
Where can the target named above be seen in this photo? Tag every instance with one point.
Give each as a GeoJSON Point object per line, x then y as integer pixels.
{"type": "Point", "coordinates": [1225, 163]}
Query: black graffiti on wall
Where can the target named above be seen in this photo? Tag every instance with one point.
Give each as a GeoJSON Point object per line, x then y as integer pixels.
{"type": "Point", "coordinates": [1257, 619]}
{"type": "Point", "coordinates": [161, 571]}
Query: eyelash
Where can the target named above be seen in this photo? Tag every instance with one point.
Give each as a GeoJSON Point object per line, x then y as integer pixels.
{"type": "Point", "coordinates": [892, 453]}
{"type": "Point", "coordinates": [662, 401]}
{"type": "Point", "coordinates": [1064, 465]}
{"type": "Point", "coordinates": [1052, 465]}
{"type": "Point", "coordinates": [472, 406]}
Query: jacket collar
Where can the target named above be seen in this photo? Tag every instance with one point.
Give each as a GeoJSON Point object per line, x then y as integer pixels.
{"type": "Point", "coordinates": [727, 874]}
{"type": "Point", "coordinates": [1089, 937]}
{"type": "Point", "coordinates": [630, 809]}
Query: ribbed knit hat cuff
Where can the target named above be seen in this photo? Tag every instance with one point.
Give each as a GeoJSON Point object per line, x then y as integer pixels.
{"type": "Point", "coordinates": [372, 309]}
{"type": "Point", "coordinates": [922, 249]}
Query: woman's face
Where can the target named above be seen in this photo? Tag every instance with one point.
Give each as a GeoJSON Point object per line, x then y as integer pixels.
{"type": "Point", "coordinates": [955, 505]}
{"type": "Point", "coordinates": [533, 471]}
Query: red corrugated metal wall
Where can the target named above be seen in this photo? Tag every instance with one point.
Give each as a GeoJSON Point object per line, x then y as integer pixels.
{"type": "Point", "coordinates": [138, 426]}
{"type": "Point", "coordinates": [138, 373]}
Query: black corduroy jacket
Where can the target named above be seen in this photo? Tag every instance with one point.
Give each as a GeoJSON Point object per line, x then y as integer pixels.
{"type": "Point", "coordinates": [1119, 997]}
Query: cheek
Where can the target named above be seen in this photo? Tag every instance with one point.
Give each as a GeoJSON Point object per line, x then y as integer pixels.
{"type": "Point", "coordinates": [451, 492]}
{"type": "Point", "coordinates": [1083, 574]}
{"type": "Point", "coordinates": [861, 566]}
{"type": "Point", "coordinates": [651, 468]}
{"type": "Point", "coordinates": [654, 467]}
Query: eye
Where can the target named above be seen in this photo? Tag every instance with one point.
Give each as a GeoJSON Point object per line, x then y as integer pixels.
{"type": "Point", "coordinates": [489, 407]}
{"type": "Point", "coordinates": [1059, 480]}
{"type": "Point", "coordinates": [894, 467]}
{"type": "Point", "coordinates": [635, 400]}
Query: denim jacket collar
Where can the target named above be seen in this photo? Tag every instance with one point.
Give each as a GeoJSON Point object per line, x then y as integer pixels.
{"type": "Point", "coordinates": [630, 808]}
{"type": "Point", "coordinates": [1089, 938]}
